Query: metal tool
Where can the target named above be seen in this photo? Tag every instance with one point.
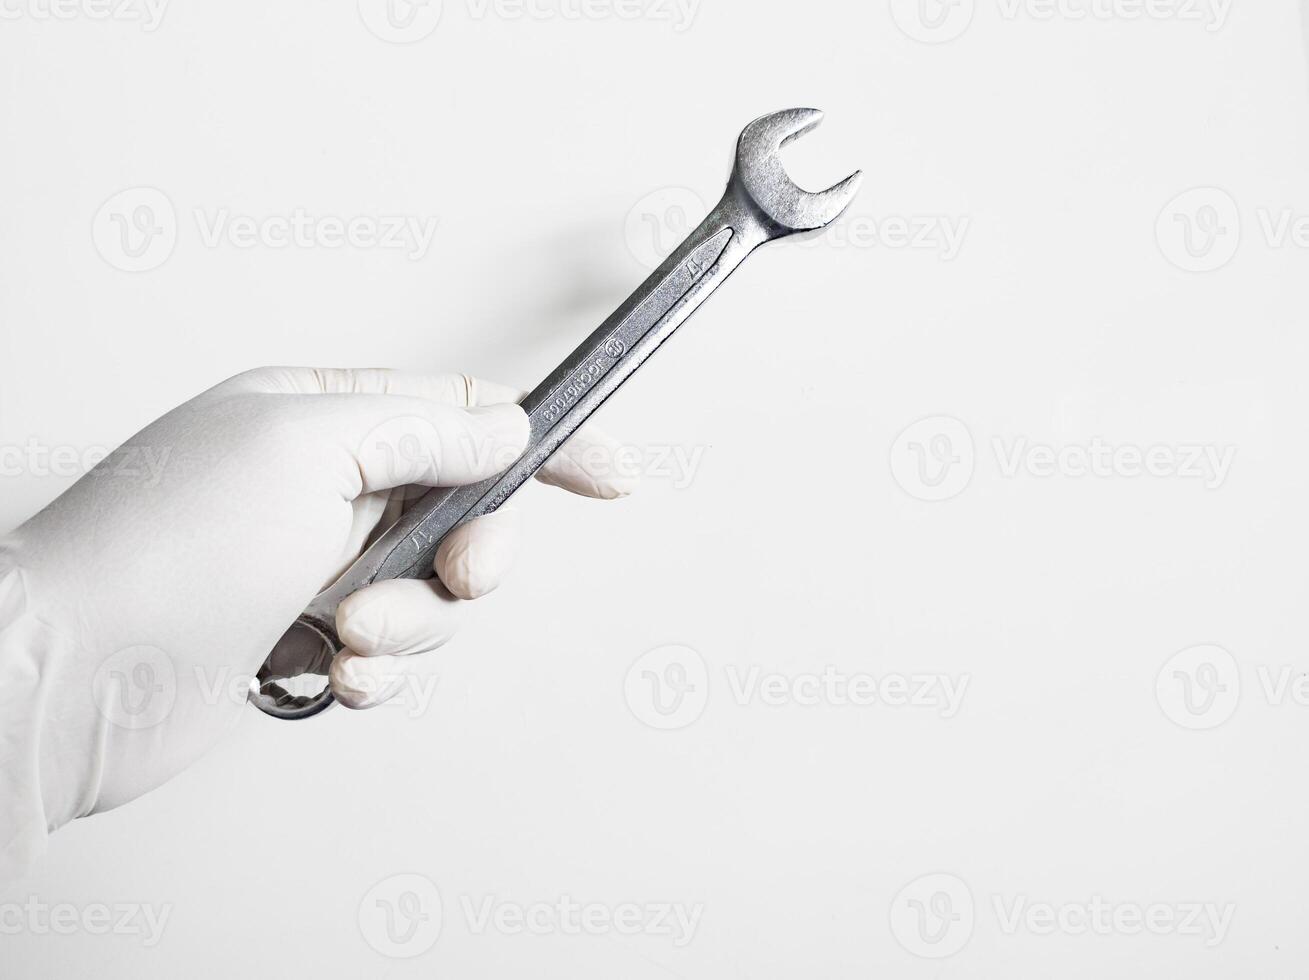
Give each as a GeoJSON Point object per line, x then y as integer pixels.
{"type": "Point", "coordinates": [761, 204]}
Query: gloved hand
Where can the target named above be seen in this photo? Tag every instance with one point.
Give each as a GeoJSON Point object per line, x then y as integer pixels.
{"type": "Point", "coordinates": [136, 607]}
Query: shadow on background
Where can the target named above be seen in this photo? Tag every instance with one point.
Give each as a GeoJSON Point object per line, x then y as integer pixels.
{"type": "Point", "coordinates": [564, 284]}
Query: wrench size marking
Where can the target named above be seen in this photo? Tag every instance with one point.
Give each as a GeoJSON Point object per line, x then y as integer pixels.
{"type": "Point", "coordinates": [667, 294]}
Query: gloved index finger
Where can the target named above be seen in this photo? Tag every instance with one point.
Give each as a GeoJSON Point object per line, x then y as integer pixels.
{"type": "Point", "coordinates": [462, 390]}
{"type": "Point", "coordinates": [590, 464]}
{"type": "Point", "coordinates": [392, 441]}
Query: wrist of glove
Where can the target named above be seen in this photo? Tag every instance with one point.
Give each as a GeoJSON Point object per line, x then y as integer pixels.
{"type": "Point", "coordinates": [36, 793]}
{"type": "Point", "coordinates": [136, 607]}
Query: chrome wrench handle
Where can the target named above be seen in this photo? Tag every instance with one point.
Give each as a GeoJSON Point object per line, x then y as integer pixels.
{"type": "Point", "coordinates": [558, 406]}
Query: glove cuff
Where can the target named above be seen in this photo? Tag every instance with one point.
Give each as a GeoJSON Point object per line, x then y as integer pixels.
{"type": "Point", "coordinates": [28, 651]}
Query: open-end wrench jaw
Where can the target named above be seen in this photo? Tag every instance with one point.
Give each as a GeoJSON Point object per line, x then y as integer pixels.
{"type": "Point", "coordinates": [760, 175]}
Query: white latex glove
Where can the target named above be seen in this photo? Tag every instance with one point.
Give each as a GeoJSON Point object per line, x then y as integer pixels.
{"type": "Point", "coordinates": [135, 608]}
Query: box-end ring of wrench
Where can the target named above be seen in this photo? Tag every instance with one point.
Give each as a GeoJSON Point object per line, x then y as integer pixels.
{"type": "Point", "coordinates": [761, 204]}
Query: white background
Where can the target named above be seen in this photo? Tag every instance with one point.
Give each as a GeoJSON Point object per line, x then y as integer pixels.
{"type": "Point", "coordinates": [801, 540]}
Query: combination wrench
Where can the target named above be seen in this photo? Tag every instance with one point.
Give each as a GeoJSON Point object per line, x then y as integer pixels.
{"type": "Point", "coordinates": [761, 204]}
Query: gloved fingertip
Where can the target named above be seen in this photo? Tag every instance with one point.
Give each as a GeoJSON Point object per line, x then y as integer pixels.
{"type": "Point", "coordinates": [464, 575]}
{"type": "Point", "coordinates": [356, 686]}
{"type": "Point", "coordinates": [396, 618]}
{"type": "Point", "coordinates": [357, 622]}
{"type": "Point", "coordinates": [567, 473]}
{"type": "Point", "coordinates": [616, 487]}
{"type": "Point", "coordinates": [473, 560]}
